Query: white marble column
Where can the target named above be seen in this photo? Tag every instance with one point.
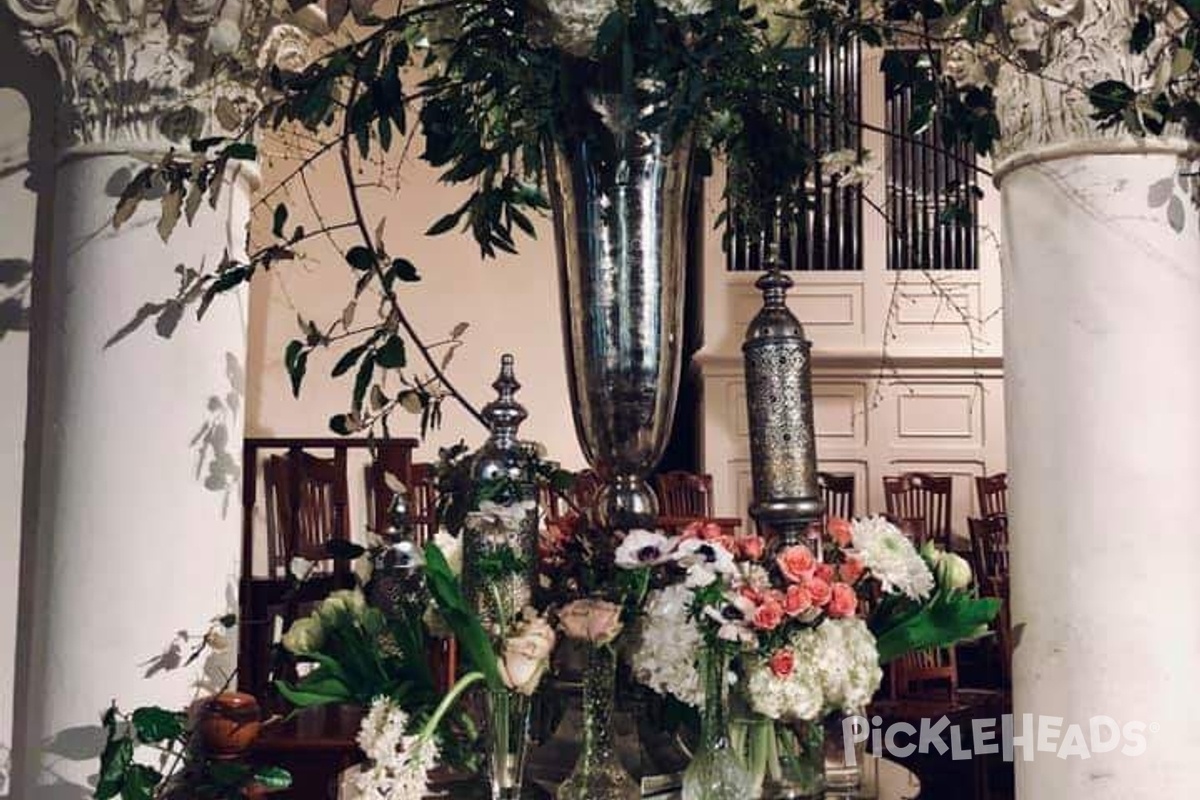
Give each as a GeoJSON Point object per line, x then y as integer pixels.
{"type": "Point", "coordinates": [137, 536]}
{"type": "Point", "coordinates": [1102, 324]}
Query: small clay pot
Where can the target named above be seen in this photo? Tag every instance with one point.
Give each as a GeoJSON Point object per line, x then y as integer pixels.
{"type": "Point", "coordinates": [228, 724]}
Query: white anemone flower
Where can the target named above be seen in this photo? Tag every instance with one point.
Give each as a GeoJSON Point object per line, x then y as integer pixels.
{"type": "Point", "coordinates": [642, 548]}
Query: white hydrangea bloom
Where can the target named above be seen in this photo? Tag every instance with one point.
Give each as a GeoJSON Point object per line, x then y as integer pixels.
{"type": "Point", "coordinates": [849, 664]}
{"type": "Point", "coordinates": [667, 647]}
{"type": "Point", "coordinates": [835, 668]}
{"type": "Point", "coordinates": [892, 558]}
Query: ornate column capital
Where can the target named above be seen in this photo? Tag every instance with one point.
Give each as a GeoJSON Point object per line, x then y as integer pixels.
{"type": "Point", "coordinates": [1047, 55]}
{"type": "Point", "coordinates": [152, 74]}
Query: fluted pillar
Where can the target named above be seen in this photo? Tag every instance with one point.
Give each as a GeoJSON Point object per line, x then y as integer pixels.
{"type": "Point", "coordinates": [137, 531]}
{"type": "Point", "coordinates": [1102, 320]}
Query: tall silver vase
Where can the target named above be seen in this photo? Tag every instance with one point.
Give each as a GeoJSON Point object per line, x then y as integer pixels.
{"type": "Point", "coordinates": [619, 195]}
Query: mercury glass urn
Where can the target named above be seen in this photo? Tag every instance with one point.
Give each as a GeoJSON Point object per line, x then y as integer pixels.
{"type": "Point", "coordinates": [619, 189]}
{"type": "Point", "coordinates": [397, 578]}
{"type": "Point", "coordinates": [783, 447]}
{"type": "Point", "coordinates": [512, 524]}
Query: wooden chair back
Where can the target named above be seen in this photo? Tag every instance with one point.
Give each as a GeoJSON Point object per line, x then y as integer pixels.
{"type": "Point", "coordinates": [392, 458]}
{"type": "Point", "coordinates": [920, 496]}
{"type": "Point", "coordinates": [914, 674]}
{"type": "Point", "coordinates": [684, 494]}
{"type": "Point", "coordinates": [992, 492]}
{"type": "Point", "coordinates": [306, 507]}
{"type": "Point", "coordinates": [989, 545]}
{"type": "Point", "coordinates": [838, 493]}
{"type": "Point", "coordinates": [423, 502]}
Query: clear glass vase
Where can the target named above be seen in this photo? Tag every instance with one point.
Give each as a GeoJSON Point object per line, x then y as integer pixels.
{"type": "Point", "coordinates": [798, 762]}
{"type": "Point", "coordinates": [717, 771]}
{"type": "Point", "coordinates": [599, 774]}
{"type": "Point", "coordinates": [848, 768]}
{"type": "Point", "coordinates": [507, 742]}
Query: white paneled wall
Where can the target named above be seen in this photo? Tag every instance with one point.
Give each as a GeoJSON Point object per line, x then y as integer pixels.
{"type": "Point", "coordinates": [907, 366]}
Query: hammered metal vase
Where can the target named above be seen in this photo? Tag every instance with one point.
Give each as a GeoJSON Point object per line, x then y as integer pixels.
{"type": "Point", "coordinates": [783, 446]}
{"type": "Point", "coordinates": [619, 194]}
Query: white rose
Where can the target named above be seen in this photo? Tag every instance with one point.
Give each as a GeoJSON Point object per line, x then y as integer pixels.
{"type": "Point", "coordinates": [451, 547]}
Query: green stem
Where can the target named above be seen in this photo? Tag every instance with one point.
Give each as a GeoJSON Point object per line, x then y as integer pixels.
{"type": "Point", "coordinates": [464, 683]}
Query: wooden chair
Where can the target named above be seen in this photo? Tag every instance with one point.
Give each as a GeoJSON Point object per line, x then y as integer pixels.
{"type": "Point", "coordinates": [919, 496]}
{"type": "Point", "coordinates": [912, 674]}
{"type": "Point", "coordinates": [392, 458]}
{"type": "Point", "coordinates": [992, 491]}
{"type": "Point", "coordinates": [306, 508]}
{"type": "Point", "coordinates": [684, 494]}
{"type": "Point", "coordinates": [989, 545]}
{"type": "Point", "coordinates": [423, 502]}
{"type": "Point", "coordinates": [838, 493]}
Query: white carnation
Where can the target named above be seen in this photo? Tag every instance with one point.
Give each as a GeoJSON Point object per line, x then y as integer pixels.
{"type": "Point", "coordinates": [892, 558]}
{"type": "Point", "coordinates": [666, 649]}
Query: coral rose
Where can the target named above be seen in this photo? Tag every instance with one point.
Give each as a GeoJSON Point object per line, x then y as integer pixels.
{"type": "Point", "coordinates": [819, 590]}
{"type": "Point", "coordinates": [796, 562]}
{"type": "Point", "coordinates": [824, 572]}
{"type": "Point", "coordinates": [768, 616]}
{"type": "Point", "coordinates": [842, 602]}
{"type": "Point", "coordinates": [782, 663]}
{"type": "Point", "coordinates": [851, 569]}
{"type": "Point", "coordinates": [752, 547]}
{"type": "Point", "coordinates": [796, 600]}
{"type": "Point", "coordinates": [841, 531]}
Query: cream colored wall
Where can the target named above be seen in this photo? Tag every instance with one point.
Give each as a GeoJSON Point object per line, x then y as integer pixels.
{"type": "Point", "coordinates": [511, 304]}
{"type": "Point", "coordinates": [17, 225]}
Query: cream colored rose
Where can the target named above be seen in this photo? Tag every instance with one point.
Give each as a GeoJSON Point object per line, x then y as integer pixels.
{"type": "Point", "coordinates": [305, 636]}
{"type": "Point", "coordinates": [343, 601]}
{"type": "Point", "coordinates": [954, 572]}
{"type": "Point", "coordinates": [591, 620]}
{"type": "Point", "coordinates": [525, 656]}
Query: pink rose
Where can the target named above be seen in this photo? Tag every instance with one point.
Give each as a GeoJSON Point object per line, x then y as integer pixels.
{"type": "Point", "coordinates": [843, 602]}
{"type": "Point", "coordinates": [796, 600]}
{"type": "Point", "coordinates": [824, 572]}
{"type": "Point", "coordinates": [768, 616]}
{"type": "Point", "coordinates": [796, 562]}
{"type": "Point", "coordinates": [819, 590]}
{"type": "Point", "coordinates": [752, 547]}
{"type": "Point", "coordinates": [840, 531]}
{"type": "Point", "coordinates": [525, 656]}
{"type": "Point", "coordinates": [851, 569]}
{"type": "Point", "coordinates": [693, 530]}
{"type": "Point", "coordinates": [782, 663]}
{"type": "Point", "coordinates": [591, 620]}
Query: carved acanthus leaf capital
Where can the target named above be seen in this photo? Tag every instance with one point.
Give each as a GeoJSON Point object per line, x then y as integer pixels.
{"type": "Point", "coordinates": [1050, 53]}
{"type": "Point", "coordinates": [148, 74]}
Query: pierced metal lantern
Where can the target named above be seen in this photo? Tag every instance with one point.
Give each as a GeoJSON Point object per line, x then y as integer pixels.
{"type": "Point", "coordinates": [783, 446]}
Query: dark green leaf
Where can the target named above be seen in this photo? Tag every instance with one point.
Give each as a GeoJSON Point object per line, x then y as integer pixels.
{"type": "Point", "coordinates": [140, 783]}
{"type": "Point", "coordinates": [1143, 34]}
{"type": "Point", "coordinates": [391, 355]}
{"type": "Point", "coordinates": [362, 380]}
{"type": "Point", "coordinates": [349, 359]}
{"type": "Point", "coordinates": [1111, 97]}
{"type": "Point", "coordinates": [114, 764]}
{"type": "Point", "coordinates": [922, 118]}
{"type": "Point", "coordinates": [403, 269]}
{"type": "Point", "coordinates": [295, 359]}
{"type": "Point", "coordinates": [241, 151]}
{"type": "Point", "coordinates": [273, 778]}
{"type": "Point", "coordinates": [361, 258]}
{"type": "Point", "coordinates": [154, 724]}
{"type": "Point", "coordinates": [279, 220]}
